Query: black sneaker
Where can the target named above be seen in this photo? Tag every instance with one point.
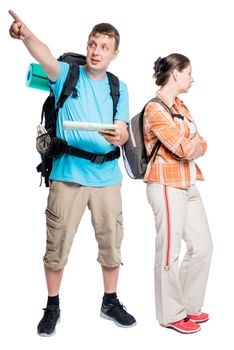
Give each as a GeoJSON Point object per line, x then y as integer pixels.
{"type": "Point", "coordinates": [46, 326]}
{"type": "Point", "coordinates": [115, 311]}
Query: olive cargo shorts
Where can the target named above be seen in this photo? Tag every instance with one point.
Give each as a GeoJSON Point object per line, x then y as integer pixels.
{"type": "Point", "coordinates": [65, 208]}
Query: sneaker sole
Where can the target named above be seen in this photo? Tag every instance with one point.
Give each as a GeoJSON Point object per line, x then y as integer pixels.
{"type": "Point", "coordinates": [180, 330]}
{"type": "Point", "coordinates": [116, 322]}
{"type": "Point", "coordinates": [49, 335]}
{"type": "Point", "coordinates": [200, 321]}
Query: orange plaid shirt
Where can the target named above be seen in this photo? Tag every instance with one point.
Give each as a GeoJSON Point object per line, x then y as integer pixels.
{"type": "Point", "coordinates": [171, 165]}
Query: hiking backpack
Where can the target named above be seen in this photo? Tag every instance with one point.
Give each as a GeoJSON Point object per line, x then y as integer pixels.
{"type": "Point", "coordinates": [134, 151]}
{"type": "Point", "coordinates": [48, 145]}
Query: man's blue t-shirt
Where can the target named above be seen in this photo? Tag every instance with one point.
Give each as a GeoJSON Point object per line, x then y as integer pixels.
{"type": "Point", "coordinates": [93, 104]}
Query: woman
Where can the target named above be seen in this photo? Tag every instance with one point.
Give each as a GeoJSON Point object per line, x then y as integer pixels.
{"type": "Point", "coordinates": [177, 206]}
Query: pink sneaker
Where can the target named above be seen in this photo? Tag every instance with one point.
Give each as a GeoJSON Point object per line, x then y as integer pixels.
{"type": "Point", "coordinates": [184, 326]}
{"type": "Point", "coordinates": [203, 317]}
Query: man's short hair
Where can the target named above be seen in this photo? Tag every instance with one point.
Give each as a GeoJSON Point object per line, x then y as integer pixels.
{"type": "Point", "coordinates": [106, 29]}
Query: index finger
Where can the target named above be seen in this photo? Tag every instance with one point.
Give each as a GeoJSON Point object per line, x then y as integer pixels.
{"type": "Point", "coordinates": [107, 132]}
{"type": "Point", "coordinates": [14, 15]}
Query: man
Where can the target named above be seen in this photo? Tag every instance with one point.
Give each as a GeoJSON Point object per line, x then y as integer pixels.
{"type": "Point", "coordinates": [77, 182]}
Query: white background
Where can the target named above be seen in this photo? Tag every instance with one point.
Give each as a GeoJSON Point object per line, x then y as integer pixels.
{"type": "Point", "coordinates": [201, 30]}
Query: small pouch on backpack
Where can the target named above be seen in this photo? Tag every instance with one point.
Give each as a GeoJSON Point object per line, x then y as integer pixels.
{"type": "Point", "coordinates": [56, 148]}
{"type": "Point", "coordinates": [43, 140]}
{"type": "Point", "coordinates": [47, 146]}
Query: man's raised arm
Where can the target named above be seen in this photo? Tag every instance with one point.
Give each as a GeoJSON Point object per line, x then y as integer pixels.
{"type": "Point", "coordinates": [37, 48]}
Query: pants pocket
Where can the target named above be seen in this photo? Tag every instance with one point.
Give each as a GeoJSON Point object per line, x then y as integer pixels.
{"type": "Point", "coordinates": [54, 230]}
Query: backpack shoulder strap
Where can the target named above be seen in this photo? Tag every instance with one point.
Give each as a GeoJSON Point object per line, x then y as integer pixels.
{"type": "Point", "coordinates": [69, 85]}
{"type": "Point", "coordinates": [114, 88]}
{"type": "Point", "coordinates": [158, 100]}
{"type": "Point", "coordinates": [157, 145]}
{"type": "Point", "coordinates": [165, 106]}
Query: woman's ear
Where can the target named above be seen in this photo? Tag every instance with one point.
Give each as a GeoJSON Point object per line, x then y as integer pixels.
{"type": "Point", "coordinates": [175, 74]}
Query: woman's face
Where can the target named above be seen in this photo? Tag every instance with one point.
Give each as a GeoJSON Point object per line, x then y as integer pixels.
{"type": "Point", "coordinates": [184, 79]}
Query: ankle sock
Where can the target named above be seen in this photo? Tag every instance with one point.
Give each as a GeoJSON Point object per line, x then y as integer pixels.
{"type": "Point", "coordinates": [108, 297]}
{"type": "Point", "coordinates": [53, 300]}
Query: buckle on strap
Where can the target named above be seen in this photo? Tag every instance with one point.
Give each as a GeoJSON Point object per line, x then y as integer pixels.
{"type": "Point", "coordinates": [98, 158]}
{"type": "Point", "coordinates": [69, 150]}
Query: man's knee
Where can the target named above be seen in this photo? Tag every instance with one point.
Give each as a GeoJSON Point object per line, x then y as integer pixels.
{"type": "Point", "coordinates": [109, 258]}
{"type": "Point", "coordinates": [53, 262]}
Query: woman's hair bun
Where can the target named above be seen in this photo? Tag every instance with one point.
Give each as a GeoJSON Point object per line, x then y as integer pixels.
{"type": "Point", "coordinates": [160, 65]}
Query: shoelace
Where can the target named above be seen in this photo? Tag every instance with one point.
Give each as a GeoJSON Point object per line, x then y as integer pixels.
{"type": "Point", "coordinates": [48, 315]}
{"type": "Point", "coordinates": [118, 306]}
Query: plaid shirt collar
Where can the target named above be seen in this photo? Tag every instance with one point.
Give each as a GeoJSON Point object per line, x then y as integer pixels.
{"type": "Point", "coordinates": [176, 103]}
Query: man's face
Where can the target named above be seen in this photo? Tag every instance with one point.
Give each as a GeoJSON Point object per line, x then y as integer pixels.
{"type": "Point", "coordinates": [100, 52]}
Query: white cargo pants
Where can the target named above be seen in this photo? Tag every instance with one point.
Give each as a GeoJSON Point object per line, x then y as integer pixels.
{"type": "Point", "coordinates": [179, 214]}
